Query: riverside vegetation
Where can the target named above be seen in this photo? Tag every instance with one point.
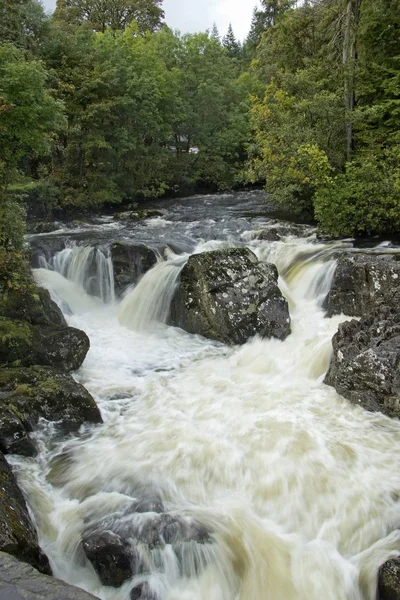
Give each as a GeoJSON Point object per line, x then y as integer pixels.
{"type": "Point", "coordinates": [103, 106]}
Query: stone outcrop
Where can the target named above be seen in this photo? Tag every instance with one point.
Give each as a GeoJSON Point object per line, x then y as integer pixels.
{"type": "Point", "coordinates": [365, 366]}
{"type": "Point", "coordinates": [17, 533]}
{"type": "Point", "coordinates": [130, 262]}
{"type": "Point", "coordinates": [362, 283]}
{"type": "Point", "coordinates": [389, 580]}
{"type": "Point", "coordinates": [20, 581]}
{"type": "Point", "coordinates": [28, 394]}
{"type": "Point", "coordinates": [229, 296]}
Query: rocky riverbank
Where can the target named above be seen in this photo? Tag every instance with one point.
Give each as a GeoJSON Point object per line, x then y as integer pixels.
{"type": "Point", "coordinates": [37, 352]}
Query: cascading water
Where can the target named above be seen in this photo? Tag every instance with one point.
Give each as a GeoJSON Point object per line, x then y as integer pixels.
{"type": "Point", "coordinates": [296, 488]}
{"type": "Point", "coordinates": [89, 268]}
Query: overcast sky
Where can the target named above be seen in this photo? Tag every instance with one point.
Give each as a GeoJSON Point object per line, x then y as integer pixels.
{"type": "Point", "coordinates": [199, 15]}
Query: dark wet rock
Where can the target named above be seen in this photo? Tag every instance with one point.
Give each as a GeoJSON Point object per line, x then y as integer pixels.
{"type": "Point", "coordinates": [229, 296]}
{"type": "Point", "coordinates": [365, 364]}
{"type": "Point", "coordinates": [42, 227]}
{"type": "Point", "coordinates": [118, 546]}
{"type": "Point", "coordinates": [23, 344]}
{"type": "Point", "coordinates": [130, 262]}
{"type": "Point", "coordinates": [42, 392]}
{"type": "Point", "coordinates": [32, 304]}
{"type": "Point", "coordinates": [389, 580]}
{"type": "Point", "coordinates": [364, 282]}
{"type": "Point", "coordinates": [17, 533]}
{"type": "Point", "coordinates": [280, 229]}
{"type": "Point", "coordinates": [113, 559]}
{"type": "Point", "coordinates": [20, 581]}
{"type": "Point", "coordinates": [143, 592]}
{"type": "Point", "coordinates": [138, 215]}
{"type": "Point", "coordinates": [14, 439]}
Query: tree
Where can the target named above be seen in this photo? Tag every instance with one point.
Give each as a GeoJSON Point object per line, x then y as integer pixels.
{"type": "Point", "coordinates": [116, 14]}
{"type": "Point", "coordinates": [29, 114]}
{"type": "Point", "coordinates": [23, 23]}
{"type": "Point", "coordinates": [231, 44]}
{"type": "Point", "coordinates": [215, 33]}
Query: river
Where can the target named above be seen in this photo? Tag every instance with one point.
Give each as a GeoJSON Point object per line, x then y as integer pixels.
{"type": "Point", "coordinates": [298, 488]}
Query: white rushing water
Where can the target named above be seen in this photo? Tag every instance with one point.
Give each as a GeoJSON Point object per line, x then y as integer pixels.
{"type": "Point", "coordinates": [298, 488]}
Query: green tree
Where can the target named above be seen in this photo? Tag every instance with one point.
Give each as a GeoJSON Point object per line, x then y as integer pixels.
{"type": "Point", "coordinates": [23, 23]}
{"type": "Point", "coordinates": [116, 14]}
{"type": "Point", "coordinates": [231, 44]}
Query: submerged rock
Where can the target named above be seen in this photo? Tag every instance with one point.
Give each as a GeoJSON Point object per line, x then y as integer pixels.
{"type": "Point", "coordinates": [130, 262]}
{"type": "Point", "coordinates": [128, 543]}
{"type": "Point", "coordinates": [229, 296]}
{"type": "Point", "coordinates": [365, 364]}
{"type": "Point", "coordinates": [362, 283]}
{"type": "Point", "coordinates": [28, 394]}
{"type": "Point", "coordinates": [389, 580]}
{"type": "Point", "coordinates": [143, 592]}
{"type": "Point", "coordinates": [19, 581]}
{"type": "Point", "coordinates": [114, 560]}
{"type": "Point", "coordinates": [17, 533]}
{"type": "Point", "coordinates": [281, 229]}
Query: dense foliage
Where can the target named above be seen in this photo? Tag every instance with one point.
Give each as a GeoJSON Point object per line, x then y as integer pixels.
{"type": "Point", "coordinates": [101, 103]}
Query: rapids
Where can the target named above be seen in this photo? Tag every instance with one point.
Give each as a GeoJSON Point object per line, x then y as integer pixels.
{"type": "Point", "coordinates": [299, 488]}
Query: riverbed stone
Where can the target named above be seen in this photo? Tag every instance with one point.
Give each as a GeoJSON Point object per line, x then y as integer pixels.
{"type": "Point", "coordinates": [17, 533]}
{"type": "Point", "coordinates": [389, 580]}
{"type": "Point", "coordinates": [130, 262]}
{"type": "Point", "coordinates": [364, 282]}
{"type": "Point", "coordinates": [31, 393]}
{"type": "Point", "coordinates": [365, 363]}
{"type": "Point", "coordinates": [229, 296]}
{"type": "Point", "coordinates": [20, 581]}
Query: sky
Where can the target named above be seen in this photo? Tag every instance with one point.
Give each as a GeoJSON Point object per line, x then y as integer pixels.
{"type": "Point", "coordinates": [199, 15]}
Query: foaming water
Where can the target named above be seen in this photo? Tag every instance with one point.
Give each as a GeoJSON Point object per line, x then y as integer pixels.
{"type": "Point", "coordinates": [147, 305]}
{"type": "Point", "coordinates": [297, 488]}
{"type": "Point", "coordinates": [90, 268]}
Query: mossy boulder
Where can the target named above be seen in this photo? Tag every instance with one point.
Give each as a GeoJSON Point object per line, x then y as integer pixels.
{"type": "Point", "coordinates": [17, 533]}
{"type": "Point", "coordinates": [365, 362]}
{"type": "Point", "coordinates": [364, 282]}
{"type": "Point", "coordinates": [23, 344]}
{"type": "Point", "coordinates": [28, 394]}
{"type": "Point", "coordinates": [229, 296]}
{"type": "Point", "coordinates": [32, 304]}
{"type": "Point", "coordinates": [130, 262]}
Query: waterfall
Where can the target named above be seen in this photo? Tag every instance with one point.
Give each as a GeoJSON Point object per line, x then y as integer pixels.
{"type": "Point", "coordinates": [89, 268]}
{"type": "Point", "coordinates": [297, 488]}
{"type": "Point", "coordinates": [148, 304]}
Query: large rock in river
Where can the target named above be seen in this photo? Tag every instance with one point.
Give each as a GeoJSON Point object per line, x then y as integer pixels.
{"type": "Point", "coordinates": [19, 581]}
{"type": "Point", "coordinates": [23, 344]}
{"type": "Point", "coordinates": [28, 394]}
{"type": "Point", "coordinates": [229, 296]}
{"type": "Point", "coordinates": [389, 580]}
{"type": "Point", "coordinates": [17, 533]}
{"type": "Point", "coordinates": [130, 262]}
{"type": "Point", "coordinates": [364, 282]}
{"type": "Point", "coordinates": [365, 364]}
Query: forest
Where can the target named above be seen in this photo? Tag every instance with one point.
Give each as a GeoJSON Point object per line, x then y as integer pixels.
{"type": "Point", "coordinates": [102, 103]}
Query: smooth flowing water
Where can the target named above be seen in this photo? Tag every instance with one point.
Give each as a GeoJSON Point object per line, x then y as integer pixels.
{"type": "Point", "coordinates": [298, 488]}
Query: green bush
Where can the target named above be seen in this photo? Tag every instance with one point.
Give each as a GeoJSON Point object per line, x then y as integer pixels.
{"type": "Point", "coordinates": [364, 200]}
